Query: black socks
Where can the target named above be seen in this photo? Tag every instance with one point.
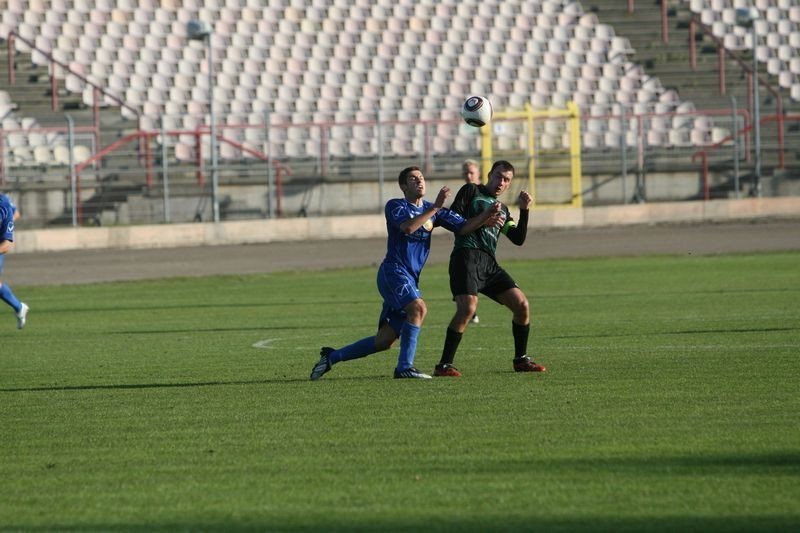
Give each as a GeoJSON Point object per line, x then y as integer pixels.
{"type": "Point", "coordinates": [451, 342]}
{"type": "Point", "coordinates": [520, 338]}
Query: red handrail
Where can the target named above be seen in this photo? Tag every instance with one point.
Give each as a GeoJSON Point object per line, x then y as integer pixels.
{"type": "Point", "coordinates": [706, 190]}
{"type": "Point", "coordinates": [280, 168]}
{"type": "Point", "coordinates": [695, 22]}
{"type": "Point", "coordinates": [746, 129]}
{"type": "Point", "coordinates": [96, 158]}
{"type": "Point", "coordinates": [12, 35]}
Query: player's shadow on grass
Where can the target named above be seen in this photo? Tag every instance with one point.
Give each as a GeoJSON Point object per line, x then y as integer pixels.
{"type": "Point", "coordinates": [168, 307]}
{"type": "Point", "coordinates": [207, 330]}
{"type": "Point", "coordinates": [122, 386]}
{"type": "Point", "coordinates": [133, 386]}
{"type": "Point", "coordinates": [717, 464]}
{"type": "Point", "coordinates": [521, 520]}
{"type": "Point", "coordinates": [679, 332]}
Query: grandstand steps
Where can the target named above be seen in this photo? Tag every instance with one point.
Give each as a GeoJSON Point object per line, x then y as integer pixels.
{"type": "Point", "coordinates": [32, 94]}
{"type": "Point", "coordinates": [31, 91]}
{"type": "Point", "coordinates": [670, 63]}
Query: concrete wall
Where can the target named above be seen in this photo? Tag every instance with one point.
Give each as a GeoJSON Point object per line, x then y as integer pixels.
{"type": "Point", "coordinates": [324, 228]}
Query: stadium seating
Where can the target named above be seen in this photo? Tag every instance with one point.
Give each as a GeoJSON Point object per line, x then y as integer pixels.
{"type": "Point", "coordinates": [777, 34]}
{"type": "Point", "coordinates": [335, 60]}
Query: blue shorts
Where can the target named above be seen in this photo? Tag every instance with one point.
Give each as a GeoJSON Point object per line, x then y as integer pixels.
{"type": "Point", "coordinates": [1, 262]}
{"type": "Point", "coordinates": [398, 289]}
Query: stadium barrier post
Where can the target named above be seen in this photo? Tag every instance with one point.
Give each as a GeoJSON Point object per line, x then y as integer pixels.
{"type": "Point", "coordinates": [279, 187]}
{"type": "Point", "coordinates": [756, 190]}
{"type": "Point", "coordinates": [164, 170]}
{"type": "Point", "coordinates": [198, 158]}
{"type": "Point", "coordinates": [96, 122]}
{"type": "Point", "coordinates": [213, 118]}
{"type": "Point", "coordinates": [148, 159]}
{"type": "Point", "coordinates": [270, 175]}
{"type": "Point", "coordinates": [323, 150]}
{"type": "Point", "coordinates": [692, 43]}
{"type": "Point", "coordinates": [779, 110]}
{"type": "Point", "coordinates": [73, 179]}
{"type": "Point", "coordinates": [640, 195]}
{"type": "Point", "coordinates": [381, 176]}
{"type": "Point", "coordinates": [426, 136]}
{"type": "Point", "coordinates": [624, 152]}
{"type": "Point", "coordinates": [735, 128]}
{"type": "Point", "coordinates": [576, 171]}
{"type": "Point", "coordinates": [664, 25]}
{"type": "Point", "coordinates": [53, 87]}
{"type": "Point", "coordinates": [12, 75]}
{"type": "Point", "coordinates": [486, 150]}
{"type": "Point", "coordinates": [752, 111]}
{"type": "Point", "coordinates": [531, 151]}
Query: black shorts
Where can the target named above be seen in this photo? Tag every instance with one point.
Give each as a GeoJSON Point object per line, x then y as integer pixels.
{"type": "Point", "coordinates": [474, 271]}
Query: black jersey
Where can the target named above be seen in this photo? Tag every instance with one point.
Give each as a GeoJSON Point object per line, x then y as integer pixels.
{"type": "Point", "coordinates": [472, 200]}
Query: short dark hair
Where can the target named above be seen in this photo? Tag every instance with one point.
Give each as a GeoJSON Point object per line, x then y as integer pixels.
{"type": "Point", "coordinates": [403, 177]}
{"type": "Point", "coordinates": [502, 166]}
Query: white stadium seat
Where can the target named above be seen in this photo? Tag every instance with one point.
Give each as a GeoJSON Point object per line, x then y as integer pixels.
{"type": "Point", "coordinates": [348, 55]}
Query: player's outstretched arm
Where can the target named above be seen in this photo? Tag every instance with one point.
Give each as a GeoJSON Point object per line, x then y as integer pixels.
{"type": "Point", "coordinates": [492, 217]}
{"type": "Point", "coordinates": [413, 224]}
{"type": "Point", "coordinates": [6, 246]}
{"type": "Point", "coordinates": [517, 233]}
{"type": "Point", "coordinates": [525, 200]}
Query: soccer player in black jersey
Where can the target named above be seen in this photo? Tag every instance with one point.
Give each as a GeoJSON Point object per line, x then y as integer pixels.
{"type": "Point", "coordinates": [474, 268]}
{"type": "Point", "coordinates": [471, 173]}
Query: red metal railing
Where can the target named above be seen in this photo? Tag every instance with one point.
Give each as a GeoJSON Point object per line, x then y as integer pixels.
{"type": "Point", "coordinates": [664, 18]}
{"type": "Point", "coordinates": [97, 90]}
{"type": "Point", "coordinates": [704, 153]}
{"type": "Point", "coordinates": [12, 79]}
{"type": "Point", "coordinates": [722, 52]}
{"type": "Point", "coordinates": [144, 138]}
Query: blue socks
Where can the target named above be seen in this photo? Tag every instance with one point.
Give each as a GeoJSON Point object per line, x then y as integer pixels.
{"type": "Point", "coordinates": [409, 334]}
{"type": "Point", "coordinates": [357, 350]}
{"type": "Point", "coordinates": [8, 297]}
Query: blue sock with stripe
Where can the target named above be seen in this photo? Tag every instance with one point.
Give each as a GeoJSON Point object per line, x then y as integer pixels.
{"type": "Point", "coordinates": [409, 334]}
{"type": "Point", "coordinates": [357, 350]}
{"type": "Point", "coordinates": [8, 297]}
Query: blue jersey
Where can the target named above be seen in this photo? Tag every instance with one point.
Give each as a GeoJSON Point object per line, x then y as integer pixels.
{"type": "Point", "coordinates": [7, 210]}
{"type": "Point", "coordinates": [411, 251]}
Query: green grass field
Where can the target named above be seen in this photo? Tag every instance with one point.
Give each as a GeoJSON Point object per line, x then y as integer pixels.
{"type": "Point", "coordinates": [671, 404]}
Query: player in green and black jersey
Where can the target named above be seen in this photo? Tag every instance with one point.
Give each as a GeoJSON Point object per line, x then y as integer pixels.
{"type": "Point", "coordinates": [474, 268]}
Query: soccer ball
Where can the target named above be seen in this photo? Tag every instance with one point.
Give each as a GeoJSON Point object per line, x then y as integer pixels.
{"type": "Point", "coordinates": [477, 111]}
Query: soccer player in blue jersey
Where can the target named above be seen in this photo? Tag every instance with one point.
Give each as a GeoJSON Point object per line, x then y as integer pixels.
{"type": "Point", "coordinates": [409, 223]}
{"type": "Point", "coordinates": [474, 268]}
{"type": "Point", "coordinates": [9, 215]}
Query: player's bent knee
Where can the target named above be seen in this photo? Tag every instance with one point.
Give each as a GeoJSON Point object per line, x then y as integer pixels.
{"type": "Point", "coordinates": [517, 302]}
{"type": "Point", "coordinates": [417, 309]}
{"type": "Point", "coordinates": [382, 345]}
{"type": "Point", "coordinates": [466, 305]}
{"type": "Point", "coordinates": [385, 338]}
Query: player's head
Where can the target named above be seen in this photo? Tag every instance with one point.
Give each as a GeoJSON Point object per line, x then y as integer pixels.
{"type": "Point", "coordinates": [412, 182]}
{"type": "Point", "coordinates": [500, 177]}
{"type": "Point", "coordinates": [470, 171]}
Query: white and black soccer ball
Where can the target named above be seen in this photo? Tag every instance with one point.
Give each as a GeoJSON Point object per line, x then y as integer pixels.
{"type": "Point", "coordinates": [477, 111]}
